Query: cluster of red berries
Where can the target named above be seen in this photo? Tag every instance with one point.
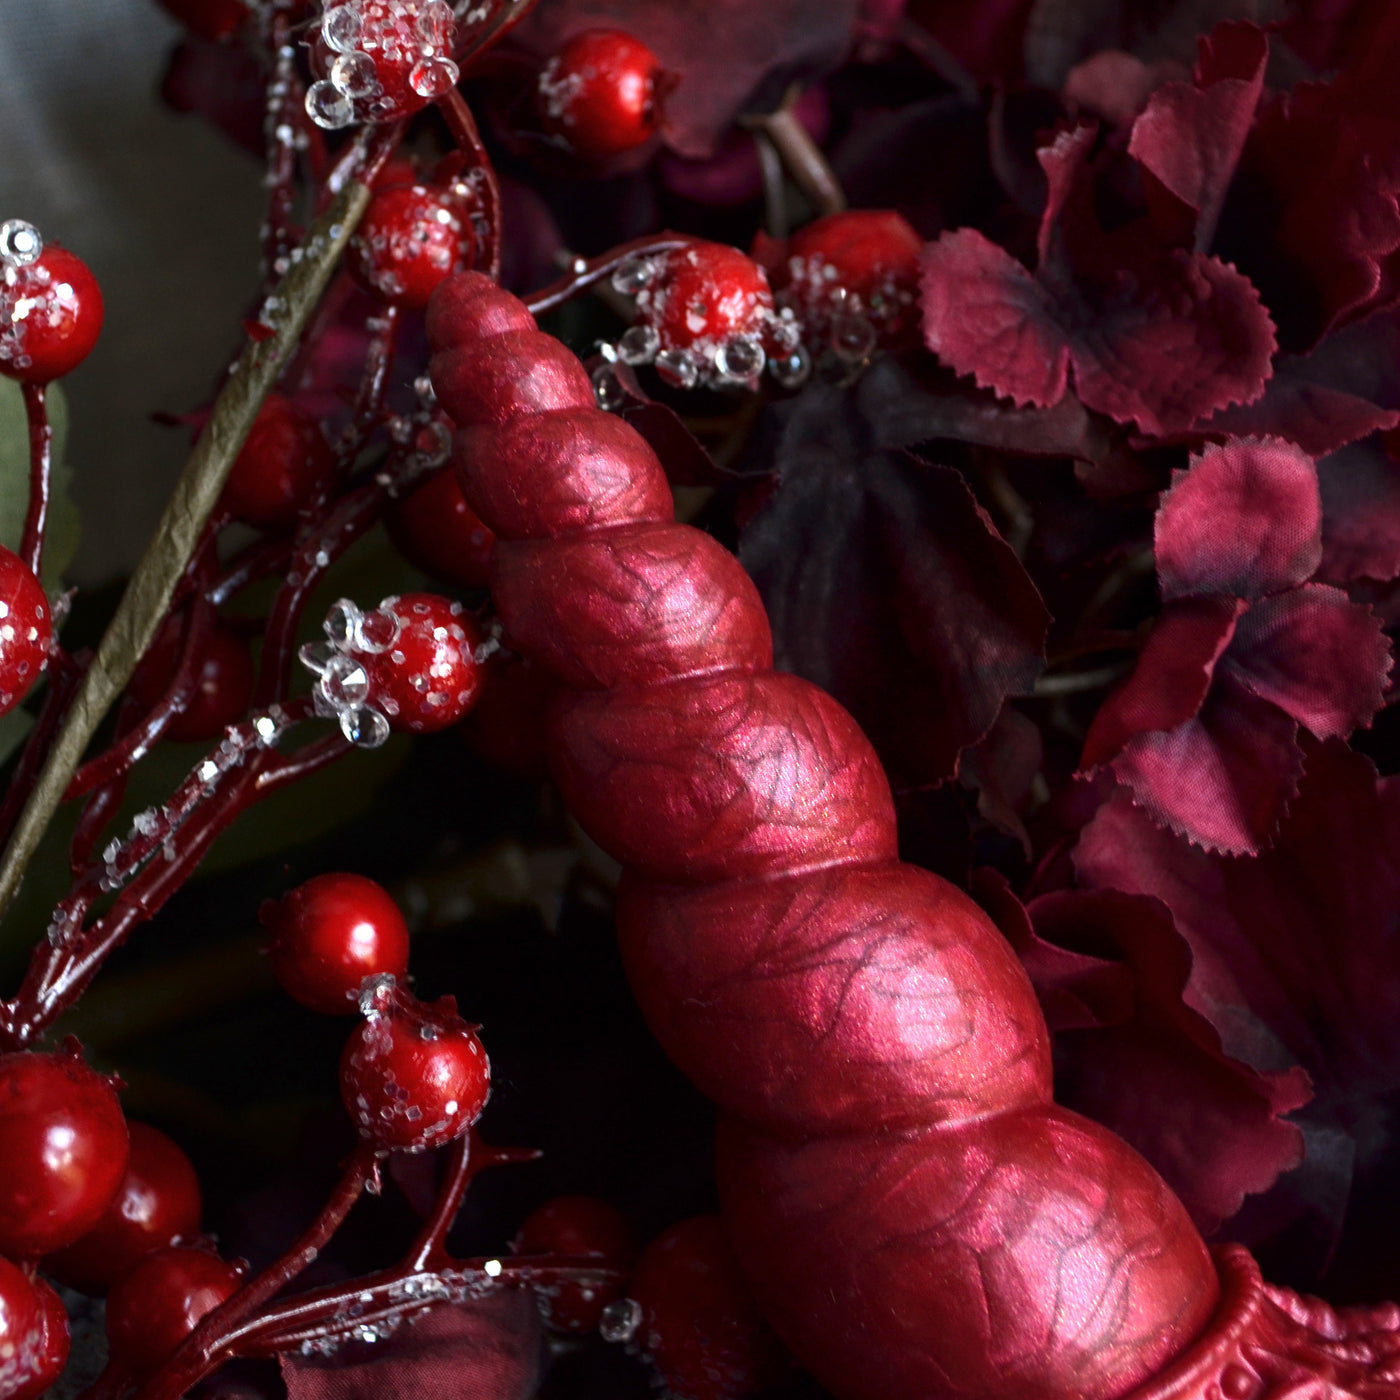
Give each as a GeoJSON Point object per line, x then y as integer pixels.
{"type": "Point", "coordinates": [101, 1205]}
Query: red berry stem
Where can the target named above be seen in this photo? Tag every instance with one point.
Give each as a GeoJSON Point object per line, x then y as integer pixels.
{"type": "Point", "coordinates": [36, 517]}
{"type": "Point", "coordinates": [374, 385]}
{"type": "Point", "coordinates": [64, 673]}
{"type": "Point", "coordinates": [285, 126]}
{"type": "Point", "coordinates": [801, 157]}
{"type": "Point", "coordinates": [584, 273]}
{"type": "Point", "coordinates": [462, 124]}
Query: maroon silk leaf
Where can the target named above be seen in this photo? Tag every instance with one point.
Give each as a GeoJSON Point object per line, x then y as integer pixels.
{"type": "Point", "coordinates": [1221, 779]}
{"type": "Point", "coordinates": [1112, 85]}
{"type": "Point", "coordinates": [1297, 951]}
{"type": "Point", "coordinates": [1245, 521]}
{"type": "Point", "coordinates": [1319, 419]}
{"type": "Point", "coordinates": [1110, 970]}
{"type": "Point", "coordinates": [722, 51]}
{"type": "Point", "coordinates": [490, 1349]}
{"type": "Point", "coordinates": [1172, 677]}
{"type": "Point", "coordinates": [1315, 654]}
{"type": "Point", "coordinates": [1360, 488]}
{"type": "Point", "coordinates": [1001, 769]}
{"type": "Point", "coordinates": [1191, 134]}
{"type": "Point", "coordinates": [887, 585]}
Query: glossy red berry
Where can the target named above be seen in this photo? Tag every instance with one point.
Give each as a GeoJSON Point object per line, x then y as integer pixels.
{"type": "Point", "coordinates": [26, 628]}
{"type": "Point", "coordinates": [210, 19]}
{"type": "Point", "coordinates": [700, 1325]}
{"type": "Point", "coordinates": [223, 687]}
{"type": "Point", "coordinates": [437, 530]}
{"type": "Point", "coordinates": [378, 60]}
{"type": "Point", "coordinates": [285, 459]}
{"type": "Point", "coordinates": [601, 93]}
{"type": "Point", "coordinates": [425, 677]}
{"type": "Point", "coordinates": [50, 307]}
{"type": "Point", "coordinates": [414, 1075]}
{"type": "Point", "coordinates": [159, 1303]}
{"type": "Point", "coordinates": [411, 238]}
{"type": "Point", "coordinates": [858, 266]}
{"type": "Point", "coordinates": [157, 1203]}
{"type": "Point", "coordinates": [703, 314]}
{"type": "Point", "coordinates": [329, 934]}
{"type": "Point", "coordinates": [63, 1148]}
{"type": "Point", "coordinates": [583, 1226]}
{"type": "Point", "coordinates": [33, 1334]}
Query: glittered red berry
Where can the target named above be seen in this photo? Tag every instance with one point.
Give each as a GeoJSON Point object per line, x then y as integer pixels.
{"type": "Point", "coordinates": [50, 306]}
{"type": "Point", "coordinates": [33, 1334]}
{"type": "Point", "coordinates": [223, 687]}
{"type": "Point", "coordinates": [377, 60]}
{"type": "Point", "coordinates": [583, 1226]}
{"type": "Point", "coordinates": [854, 275]}
{"type": "Point", "coordinates": [210, 19]}
{"type": "Point", "coordinates": [157, 1203]}
{"type": "Point", "coordinates": [329, 934]}
{"type": "Point", "coordinates": [26, 628]}
{"type": "Point", "coordinates": [700, 1326]}
{"type": "Point", "coordinates": [283, 461]}
{"type": "Point", "coordinates": [158, 1304]}
{"type": "Point", "coordinates": [703, 314]}
{"type": "Point", "coordinates": [437, 530]}
{"type": "Point", "coordinates": [414, 1075]}
{"type": "Point", "coordinates": [410, 239]}
{"type": "Point", "coordinates": [601, 93]}
{"type": "Point", "coordinates": [63, 1146]}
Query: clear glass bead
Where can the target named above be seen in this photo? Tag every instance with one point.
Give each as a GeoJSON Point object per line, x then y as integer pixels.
{"type": "Point", "coordinates": [364, 727]}
{"type": "Point", "coordinates": [356, 75]}
{"type": "Point", "coordinates": [741, 358]}
{"type": "Point", "coordinates": [328, 107]}
{"type": "Point", "coordinates": [342, 623]}
{"type": "Point", "coordinates": [315, 655]}
{"type": "Point", "coordinates": [606, 389]}
{"type": "Point", "coordinates": [436, 23]}
{"type": "Point", "coordinates": [620, 1320]}
{"type": "Point", "coordinates": [340, 28]}
{"type": "Point", "coordinates": [633, 276]}
{"type": "Point", "coordinates": [792, 370]}
{"type": "Point", "coordinates": [20, 243]}
{"type": "Point", "coordinates": [344, 682]}
{"type": "Point", "coordinates": [678, 368]}
{"type": "Point", "coordinates": [852, 338]}
{"type": "Point", "coordinates": [377, 631]}
{"type": "Point", "coordinates": [433, 77]}
{"type": "Point", "coordinates": [638, 345]}
{"type": "Point", "coordinates": [433, 442]}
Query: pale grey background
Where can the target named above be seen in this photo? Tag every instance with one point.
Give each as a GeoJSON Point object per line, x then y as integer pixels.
{"type": "Point", "coordinates": [163, 209]}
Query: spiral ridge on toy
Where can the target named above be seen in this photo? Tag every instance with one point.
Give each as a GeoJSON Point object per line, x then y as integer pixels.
{"type": "Point", "coordinates": [916, 1215]}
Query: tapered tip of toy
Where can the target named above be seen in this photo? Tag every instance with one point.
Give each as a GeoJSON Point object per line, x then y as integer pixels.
{"type": "Point", "coordinates": [470, 305]}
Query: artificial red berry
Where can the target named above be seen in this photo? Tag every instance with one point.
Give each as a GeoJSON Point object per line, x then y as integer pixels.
{"type": "Point", "coordinates": [25, 629]}
{"type": "Point", "coordinates": [329, 934]}
{"type": "Point", "coordinates": [210, 19]}
{"type": "Point", "coordinates": [63, 1148]}
{"type": "Point", "coordinates": [50, 306]}
{"type": "Point", "coordinates": [601, 93]}
{"type": "Point", "coordinates": [414, 1075]}
{"type": "Point", "coordinates": [33, 1334]}
{"type": "Point", "coordinates": [700, 1326]}
{"type": "Point", "coordinates": [157, 1204]}
{"type": "Point", "coordinates": [223, 687]}
{"type": "Point", "coordinates": [583, 1226]}
{"type": "Point", "coordinates": [378, 60]}
{"type": "Point", "coordinates": [437, 530]}
{"type": "Point", "coordinates": [159, 1303]}
{"type": "Point", "coordinates": [411, 238]}
{"type": "Point", "coordinates": [283, 461]}
{"type": "Point", "coordinates": [703, 313]}
{"type": "Point", "coordinates": [853, 276]}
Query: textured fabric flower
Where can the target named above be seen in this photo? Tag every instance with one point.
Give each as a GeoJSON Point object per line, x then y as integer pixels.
{"type": "Point", "coordinates": [1247, 650]}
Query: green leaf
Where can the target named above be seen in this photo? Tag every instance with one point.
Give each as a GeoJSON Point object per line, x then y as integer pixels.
{"type": "Point", "coordinates": [62, 540]}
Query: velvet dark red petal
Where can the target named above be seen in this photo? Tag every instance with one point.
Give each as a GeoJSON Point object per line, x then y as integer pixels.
{"type": "Point", "coordinates": [1244, 521]}
{"type": "Point", "coordinates": [1360, 488]}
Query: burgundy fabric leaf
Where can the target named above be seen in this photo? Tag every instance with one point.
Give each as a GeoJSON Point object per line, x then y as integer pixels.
{"type": "Point", "coordinates": [1222, 779]}
{"type": "Point", "coordinates": [1063, 162]}
{"type": "Point", "coordinates": [1172, 677]}
{"type": "Point", "coordinates": [686, 461]}
{"type": "Point", "coordinates": [985, 38]}
{"type": "Point", "coordinates": [1191, 134]}
{"type": "Point", "coordinates": [1112, 85]}
{"type": "Point", "coordinates": [1294, 406]}
{"type": "Point", "coordinates": [1297, 951]}
{"type": "Point", "coordinates": [1001, 768]}
{"type": "Point", "coordinates": [725, 53]}
{"type": "Point", "coordinates": [224, 84]}
{"type": "Point", "coordinates": [887, 585]}
{"type": "Point", "coordinates": [1245, 520]}
{"type": "Point", "coordinates": [489, 1349]}
{"type": "Point", "coordinates": [1315, 654]}
{"type": "Point", "coordinates": [986, 316]}
{"type": "Point", "coordinates": [1360, 488]}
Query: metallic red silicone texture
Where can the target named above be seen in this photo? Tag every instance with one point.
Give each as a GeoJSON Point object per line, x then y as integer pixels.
{"type": "Point", "coordinates": [916, 1216]}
